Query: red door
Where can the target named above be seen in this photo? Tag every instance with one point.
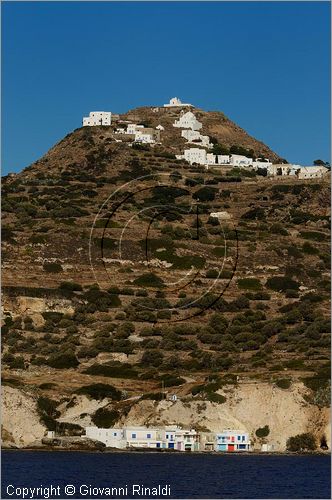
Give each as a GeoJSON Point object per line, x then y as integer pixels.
{"type": "Point", "coordinates": [231, 447]}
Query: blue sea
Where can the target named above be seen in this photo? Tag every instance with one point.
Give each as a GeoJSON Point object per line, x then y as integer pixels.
{"type": "Point", "coordinates": [93, 475]}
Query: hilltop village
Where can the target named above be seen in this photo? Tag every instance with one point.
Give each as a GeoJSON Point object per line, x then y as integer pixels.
{"type": "Point", "coordinates": [199, 147]}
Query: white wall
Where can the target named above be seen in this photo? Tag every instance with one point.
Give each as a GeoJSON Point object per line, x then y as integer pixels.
{"type": "Point", "coordinates": [188, 120]}
{"type": "Point", "coordinates": [240, 161]}
{"type": "Point", "coordinates": [97, 118]}
{"type": "Point", "coordinates": [195, 155]}
{"type": "Point", "coordinates": [113, 437]}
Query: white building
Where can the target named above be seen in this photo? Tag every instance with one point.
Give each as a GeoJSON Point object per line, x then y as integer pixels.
{"type": "Point", "coordinates": [260, 163]}
{"type": "Point", "coordinates": [232, 440]}
{"type": "Point", "coordinates": [175, 102]}
{"type": "Point", "coordinates": [195, 136]}
{"type": "Point", "coordinates": [132, 128]}
{"type": "Point", "coordinates": [170, 437]}
{"type": "Point", "coordinates": [160, 127]}
{"type": "Point", "coordinates": [112, 438]}
{"type": "Point", "coordinates": [289, 169]}
{"type": "Point", "coordinates": [147, 135]}
{"type": "Point", "coordinates": [143, 437]}
{"type": "Point", "coordinates": [240, 161]}
{"type": "Point", "coordinates": [188, 120]}
{"type": "Point", "coordinates": [314, 172]}
{"type": "Point", "coordinates": [97, 118]}
{"type": "Point", "coordinates": [142, 134]}
{"type": "Point", "coordinates": [195, 155]}
{"type": "Point", "coordinates": [180, 439]}
{"type": "Point", "coordinates": [217, 159]}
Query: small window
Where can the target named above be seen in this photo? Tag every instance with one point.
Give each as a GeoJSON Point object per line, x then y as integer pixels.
{"type": "Point", "coordinates": [133, 436]}
{"type": "Point", "coordinates": [114, 433]}
{"type": "Point", "coordinates": [148, 436]}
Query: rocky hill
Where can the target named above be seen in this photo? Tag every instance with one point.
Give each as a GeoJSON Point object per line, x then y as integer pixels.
{"type": "Point", "coordinates": [119, 287]}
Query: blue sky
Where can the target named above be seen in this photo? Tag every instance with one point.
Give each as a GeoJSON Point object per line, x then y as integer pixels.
{"type": "Point", "coordinates": [266, 65]}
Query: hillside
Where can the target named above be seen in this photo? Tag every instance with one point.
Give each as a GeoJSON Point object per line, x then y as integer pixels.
{"type": "Point", "coordinates": [114, 273]}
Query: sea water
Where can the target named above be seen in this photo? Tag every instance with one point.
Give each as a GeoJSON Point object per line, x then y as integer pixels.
{"type": "Point", "coordinates": [41, 474]}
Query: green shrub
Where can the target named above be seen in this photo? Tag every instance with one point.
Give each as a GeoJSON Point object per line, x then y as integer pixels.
{"type": "Point", "coordinates": [171, 380]}
{"type": "Point", "coordinates": [38, 238]}
{"type": "Point", "coordinates": [52, 267]}
{"type": "Point", "coordinates": [100, 391]}
{"type": "Point", "coordinates": [48, 406]}
{"type": "Point", "coordinates": [63, 360]}
{"type": "Point", "coordinates": [256, 213]}
{"type": "Point", "coordinates": [309, 249]}
{"type": "Point", "coordinates": [282, 283]}
{"type": "Point", "coordinates": [283, 383]}
{"type": "Point", "coordinates": [150, 280]}
{"type": "Point", "coordinates": [152, 357]}
{"type": "Point", "coordinates": [301, 442]}
{"type": "Point", "coordinates": [263, 432]}
{"type": "Point", "coordinates": [211, 274]}
{"type": "Point", "coordinates": [278, 228]}
{"type": "Point", "coordinates": [219, 251]}
{"type": "Point", "coordinates": [47, 385]}
{"type": "Point", "coordinates": [205, 193]}
{"type": "Point", "coordinates": [154, 396]}
{"type": "Point", "coordinates": [215, 398]}
{"type": "Point", "coordinates": [313, 235]}
{"type": "Point", "coordinates": [70, 285]}
{"type": "Point", "coordinates": [17, 363]}
{"type": "Point", "coordinates": [249, 284]}
{"type": "Point", "coordinates": [105, 418]}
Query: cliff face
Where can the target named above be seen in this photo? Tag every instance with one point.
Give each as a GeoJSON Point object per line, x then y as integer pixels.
{"type": "Point", "coordinates": [248, 406]}
{"type": "Point", "coordinates": [20, 424]}
{"type": "Point", "coordinates": [147, 291]}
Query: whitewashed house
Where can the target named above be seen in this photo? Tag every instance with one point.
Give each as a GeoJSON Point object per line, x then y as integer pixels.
{"type": "Point", "coordinates": [132, 128]}
{"type": "Point", "coordinates": [147, 135]}
{"type": "Point", "coordinates": [240, 161]}
{"type": "Point", "coordinates": [195, 136]}
{"type": "Point", "coordinates": [195, 155]}
{"type": "Point", "coordinates": [260, 163]}
{"type": "Point", "coordinates": [112, 437]}
{"type": "Point", "coordinates": [143, 437]}
{"type": "Point", "coordinates": [175, 102]}
{"type": "Point", "coordinates": [188, 120]}
{"type": "Point", "coordinates": [314, 172]}
{"type": "Point", "coordinates": [180, 439]}
{"type": "Point", "coordinates": [283, 169]}
{"type": "Point", "coordinates": [221, 160]}
{"type": "Point", "coordinates": [232, 440]}
{"type": "Point", "coordinates": [97, 118]}
{"type": "Point", "coordinates": [160, 127]}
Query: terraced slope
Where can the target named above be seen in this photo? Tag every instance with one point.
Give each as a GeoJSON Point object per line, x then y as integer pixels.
{"type": "Point", "coordinates": [115, 273]}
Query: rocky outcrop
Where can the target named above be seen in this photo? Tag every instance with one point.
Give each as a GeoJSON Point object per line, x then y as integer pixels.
{"type": "Point", "coordinates": [20, 419]}
{"type": "Point", "coordinates": [248, 406]}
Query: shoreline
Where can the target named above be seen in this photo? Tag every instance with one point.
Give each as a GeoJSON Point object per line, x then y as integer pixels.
{"type": "Point", "coordinates": [169, 452]}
